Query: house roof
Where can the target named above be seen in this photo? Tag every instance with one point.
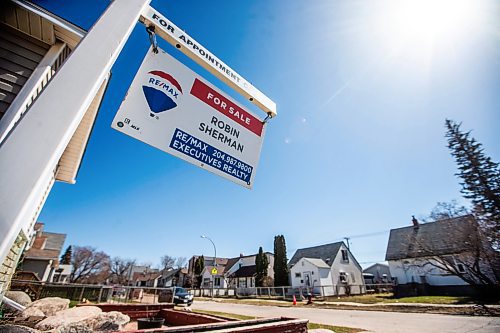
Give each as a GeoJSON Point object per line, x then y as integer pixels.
{"type": "Point", "coordinates": [169, 273]}
{"type": "Point", "coordinates": [325, 252]}
{"type": "Point", "coordinates": [246, 271]}
{"type": "Point", "coordinates": [220, 261]}
{"type": "Point", "coordinates": [317, 262]}
{"type": "Point", "coordinates": [376, 264]}
{"type": "Point", "coordinates": [47, 245]}
{"type": "Point", "coordinates": [448, 236]}
{"type": "Point", "coordinates": [147, 276]}
{"type": "Point", "coordinates": [232, 261]}
{"type": "Point", "coordinates": [220, 269]}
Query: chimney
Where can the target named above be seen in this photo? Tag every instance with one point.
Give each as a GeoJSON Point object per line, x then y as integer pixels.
{"type": "Point", "coordinates": [241, 255]}
{"type": "Point", "coordinates": [416, 224]}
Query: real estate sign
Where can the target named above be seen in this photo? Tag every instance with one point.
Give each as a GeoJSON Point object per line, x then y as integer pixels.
{"type": "Point", "coordinates": [170, 107]}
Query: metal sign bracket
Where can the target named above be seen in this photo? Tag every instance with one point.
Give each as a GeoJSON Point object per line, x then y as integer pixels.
{"type": "Point", "coordinates": [152, 37]}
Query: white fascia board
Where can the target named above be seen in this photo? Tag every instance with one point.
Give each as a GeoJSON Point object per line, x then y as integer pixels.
{"type": "Point", "coordinates": [36, 144]}
{"type": "Point", "coordinates": [194, 50]}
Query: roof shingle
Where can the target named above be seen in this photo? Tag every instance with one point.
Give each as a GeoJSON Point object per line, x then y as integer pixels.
{"type": "Point", "coordinates": [325, 252]}
{"type": "Point", "coordinates": [449, 236]}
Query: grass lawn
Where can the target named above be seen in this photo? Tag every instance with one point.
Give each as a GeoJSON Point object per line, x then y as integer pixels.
{"type": "Point", "coordinates": [250, 301]}
{"type": "Point", "coordinates": [336, 329]}
{"type": "Point", "coordinates": [388, 298]}
{"type": "Point", "coordinates": [364, 299]}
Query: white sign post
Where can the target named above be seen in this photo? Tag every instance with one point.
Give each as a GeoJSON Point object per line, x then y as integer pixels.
{"type": "Point", "coordinates": [170, 107]}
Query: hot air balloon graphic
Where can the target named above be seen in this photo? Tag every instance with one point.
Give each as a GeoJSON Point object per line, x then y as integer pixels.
{"type": "Point", "coordinates": [162, 92]}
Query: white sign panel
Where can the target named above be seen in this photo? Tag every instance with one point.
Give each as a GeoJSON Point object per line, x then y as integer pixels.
{"type": "Point", "coordinates": [170, 107]}
{"type": "Point", "coordinates": [178, 38]}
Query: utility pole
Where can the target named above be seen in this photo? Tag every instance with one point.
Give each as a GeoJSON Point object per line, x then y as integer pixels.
{"type": "Point", "coordinates": [215, 261]}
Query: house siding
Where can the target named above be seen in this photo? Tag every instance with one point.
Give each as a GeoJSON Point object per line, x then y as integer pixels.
{"type": "Point", "coordinates": [8, 266]}
{"type": "Point", "coordinates": [354, 271]}
{"type": "Point", "coordinates": [409, 271]}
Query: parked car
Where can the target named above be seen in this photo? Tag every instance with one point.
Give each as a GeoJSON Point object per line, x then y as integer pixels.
{"type": "Point", "coordinates": [181, 296]}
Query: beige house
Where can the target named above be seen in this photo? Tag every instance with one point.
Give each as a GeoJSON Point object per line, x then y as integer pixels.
{"type": "Point", "coordinates": [42, 257]}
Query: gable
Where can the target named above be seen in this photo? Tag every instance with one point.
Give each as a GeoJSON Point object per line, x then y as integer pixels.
{"type": "Point", "coordinates": [326, 252]}
{"type": "Point", "coordinates": [338, 261]}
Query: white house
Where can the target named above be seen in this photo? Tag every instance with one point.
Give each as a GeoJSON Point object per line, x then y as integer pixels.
{"type": "Point", "coordinates": [207, 278]}
{"type": "Point", "coordinates": [416, 255]}
{"type": "Point", "coordinates": [328, 269]}
{"type": "Point", "coordinates": [240, 271]}
{"type": "Point", "coordinates": [172, 277]}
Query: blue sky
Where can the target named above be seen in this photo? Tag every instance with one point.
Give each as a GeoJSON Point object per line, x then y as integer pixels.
{"type": "Point", "coordinates": [357, 147]}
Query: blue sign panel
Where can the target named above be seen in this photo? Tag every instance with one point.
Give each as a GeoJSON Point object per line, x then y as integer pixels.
{"type": "Point", "coordinates": [210, 156]}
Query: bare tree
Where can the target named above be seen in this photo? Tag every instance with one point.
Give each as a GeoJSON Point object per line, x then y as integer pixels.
{"type": "Point", "coordinates": [446, 210]}
{"type": "Point", "coordinates": [120, 269]}
{"type": "Point", "coordinates": [89, 265]}
{"type": "Point", "coordinates": [231, 280]}
{"type": "Point", "coordinates": [180, 262]}
{"type": "Point", "coordinates": [167, 261]}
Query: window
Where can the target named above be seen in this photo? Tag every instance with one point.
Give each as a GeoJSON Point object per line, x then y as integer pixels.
{"type": "Point", "coordinates": [312, 273]}
{"type": "Point", "coordinates": [298, 275]}
{"type": "Point", "coordinates": [345, 256]}
{"type": "Point", "coordinates": [353, 278]}
{"type": "Point", "coordinates": [343, 277]}
{"type": "Point", "coordinates": [460, 268]}
{"type": "Point", "coordinates": [217, 282]}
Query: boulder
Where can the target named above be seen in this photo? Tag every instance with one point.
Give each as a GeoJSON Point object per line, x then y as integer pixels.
{"type": "Point", "coordinates": [19, 297]}
{"type": "Point", "coordinates": [8, 328]}
{"type": "Point", "coordinates": [49, 305]}
{"type": "Point", "coordinates": [68, 317]}
{"type": "Point", "coordinates": [73, 328]}
{"type": "Point", "coordinates": [32, 312]}
{"type": "Point", "coordinates": [109, 321]}
{"type": "Point", "coordinates": [84, 319]}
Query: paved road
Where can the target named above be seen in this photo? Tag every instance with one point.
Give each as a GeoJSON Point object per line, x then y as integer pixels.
{"type": "Point", "coordinates": [373, 321]}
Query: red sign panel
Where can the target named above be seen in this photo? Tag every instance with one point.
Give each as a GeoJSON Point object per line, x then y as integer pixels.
{"type": "Point", "coordinates": [225, 106]}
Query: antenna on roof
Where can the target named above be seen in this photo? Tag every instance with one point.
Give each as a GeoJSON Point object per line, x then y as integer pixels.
{"type": "Point", "coordinates": [347, 240]}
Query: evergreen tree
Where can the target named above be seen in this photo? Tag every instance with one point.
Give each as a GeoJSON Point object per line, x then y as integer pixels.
{"type": "Point", "coordinates": [199, 264]}
{"type": "Point", "coordinates": [66, 257]}
{"type": "Point", "coordinates": [480, 179]}
{"type": "Point", "coordinates": [280, 262]}
{"type": "Point", "coordinates": [261, 265]}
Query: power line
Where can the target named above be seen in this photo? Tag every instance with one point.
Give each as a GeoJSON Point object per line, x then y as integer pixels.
{"type": "Point", "coordinates": [376, 233]}
{"type": "Point", "coordinates": [370, 234]}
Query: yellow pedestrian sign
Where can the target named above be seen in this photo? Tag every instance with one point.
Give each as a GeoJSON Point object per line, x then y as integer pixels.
{"type": "Point", "coordinates": [214, 271]}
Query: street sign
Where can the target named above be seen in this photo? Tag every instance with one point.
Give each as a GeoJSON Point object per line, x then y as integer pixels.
{"type": "Point", "coordinates": [170, 107]}
{"type": "Point", "coordinates": [214, 271]}
{"type": "Point", "coordinates": [185, 43]}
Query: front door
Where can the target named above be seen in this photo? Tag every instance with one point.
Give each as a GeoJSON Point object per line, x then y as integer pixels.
{"type": "Point", "coordinates": [307, 279]}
